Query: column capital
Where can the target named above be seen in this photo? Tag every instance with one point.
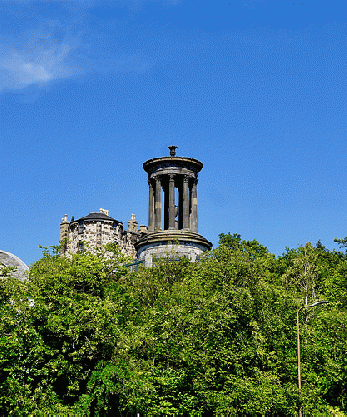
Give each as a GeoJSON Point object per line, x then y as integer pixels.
{"type": "Point", "coordinates": [186, 178]}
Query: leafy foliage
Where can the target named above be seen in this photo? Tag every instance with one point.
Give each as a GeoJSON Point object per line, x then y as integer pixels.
{"type": "Point", "coordinates": [86, 336]}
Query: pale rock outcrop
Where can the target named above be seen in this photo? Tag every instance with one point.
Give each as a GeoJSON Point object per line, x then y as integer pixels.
{"type": "Point", "coordinates": [9, 260]}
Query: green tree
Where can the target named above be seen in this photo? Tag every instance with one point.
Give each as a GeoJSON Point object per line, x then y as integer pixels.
{"type": "Point", "coordinates": [70, 321]}
{"type": "Point", "coordinates": [85, 336]}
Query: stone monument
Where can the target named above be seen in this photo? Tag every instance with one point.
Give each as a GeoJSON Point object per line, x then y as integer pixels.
{"type": "Point", "coordinates": [173, 228]}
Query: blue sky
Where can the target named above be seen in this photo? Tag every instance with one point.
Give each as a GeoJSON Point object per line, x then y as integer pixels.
{"type": "Point", "coordinates": [255, 89]}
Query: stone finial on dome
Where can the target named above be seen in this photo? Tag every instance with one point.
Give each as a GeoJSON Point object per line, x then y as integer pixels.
{"type": "Point", "coordinates": [172, 150]}
{"type": "Point", "coordinates": [106, 212]}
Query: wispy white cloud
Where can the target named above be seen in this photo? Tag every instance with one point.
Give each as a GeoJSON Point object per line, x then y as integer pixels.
{"type": "Point", "coordinates": [35, 44]}
{"type": "Point", "coordinates": [20, 68]}
{"type": "Point", "coordinates": [44, 41]}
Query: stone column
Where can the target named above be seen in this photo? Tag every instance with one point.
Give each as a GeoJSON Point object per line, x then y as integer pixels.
{"type": "Point", "coordinates": [180, 206]}
{"type": "Point", "coordinates": [194, 213]}
{"type": "Point", "coordinates": [185, 203]}
{"type": "Point", "coordinates": [165, 189]}
{"type": "Point", "coordinates": [150, 207]}
{"type": "Point", "coordinates": [157, 204]}
{"type": "Point", "coordinates": [172, 208]}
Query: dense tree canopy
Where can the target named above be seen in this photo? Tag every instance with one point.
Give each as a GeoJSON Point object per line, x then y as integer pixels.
{"type": "Point", "coordinates": [85, 335]}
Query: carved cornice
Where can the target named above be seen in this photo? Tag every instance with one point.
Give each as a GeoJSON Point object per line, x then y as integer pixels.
{"type": "Point", "coordinates": [156, 164]}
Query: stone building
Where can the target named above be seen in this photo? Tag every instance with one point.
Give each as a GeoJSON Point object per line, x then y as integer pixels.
{"type": "Point", "coordinates": [96, 230]}
{"type": "Point", "coordinates": [172, 231]}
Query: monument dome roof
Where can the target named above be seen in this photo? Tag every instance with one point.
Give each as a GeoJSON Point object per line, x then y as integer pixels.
{"type": "Point", "coordinates": [96, 216]}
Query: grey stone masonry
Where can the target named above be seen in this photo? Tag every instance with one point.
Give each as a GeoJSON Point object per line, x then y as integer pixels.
{"type": "Point", "coordinates": [172, 244]}
{"type": "Point", "coordinates": [96, 230]}
{"type": "Point", "coordinates": [170, 250]}
{"type": "Point", "coordinates": [133, 224]}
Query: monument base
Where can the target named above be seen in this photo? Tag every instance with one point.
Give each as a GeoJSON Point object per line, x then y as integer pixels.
{"type": "Point", "coordinates": [171, 244]}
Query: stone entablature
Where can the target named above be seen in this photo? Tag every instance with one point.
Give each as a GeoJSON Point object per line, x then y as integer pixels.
{"type": "Point", "coordinates": [173, 165]}
{"type": "Point", "coordinates": [96, 230]}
